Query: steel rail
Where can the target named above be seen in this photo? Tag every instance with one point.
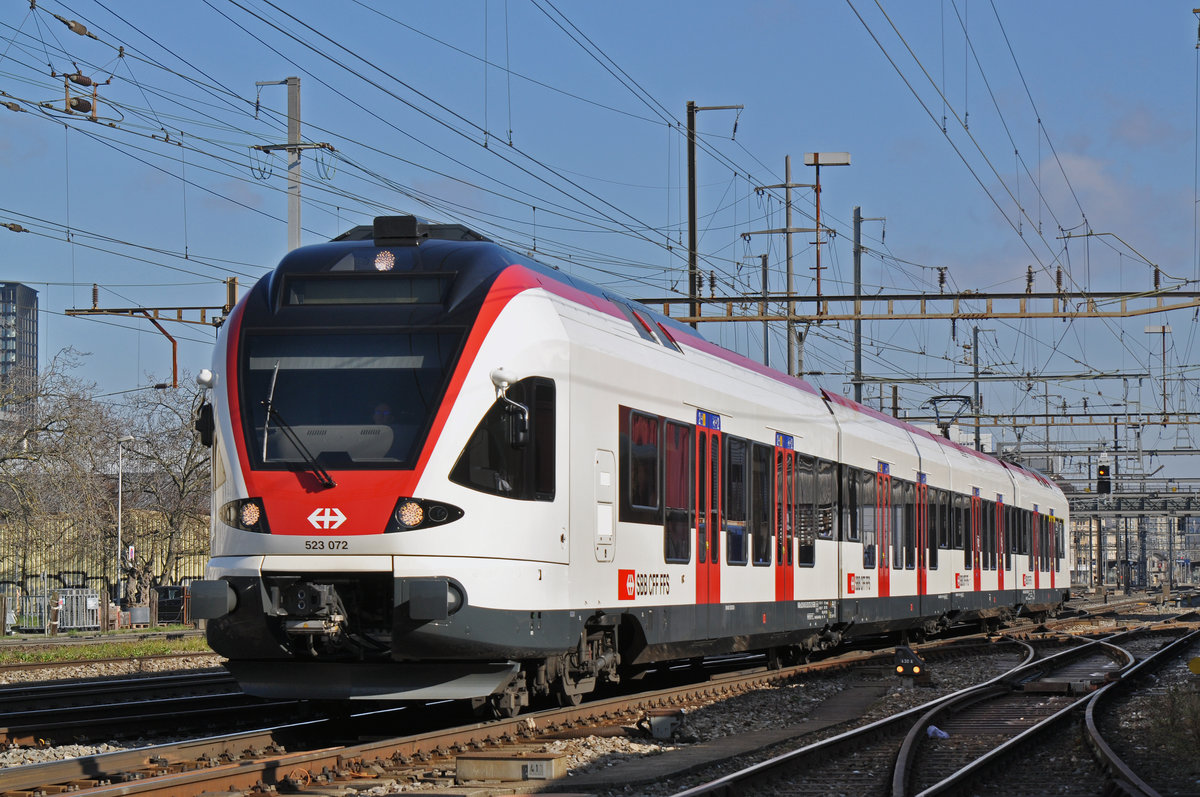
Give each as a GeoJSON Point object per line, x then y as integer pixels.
{"type": "Point", "coordinates": [1123, 777]}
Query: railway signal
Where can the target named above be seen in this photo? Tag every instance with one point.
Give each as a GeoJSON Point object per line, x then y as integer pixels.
{"type": "Point", "coordinates": [909, 665]}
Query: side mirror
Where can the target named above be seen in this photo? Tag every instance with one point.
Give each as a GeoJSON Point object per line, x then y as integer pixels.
{"type": "Point", "coordinates": [205, 426]}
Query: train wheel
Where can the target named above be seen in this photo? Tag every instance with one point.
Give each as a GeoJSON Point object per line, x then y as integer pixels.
{"type": "Point", "coordinates": [566, 700]}
{"type": "Point", "coordinates": [570, 693]}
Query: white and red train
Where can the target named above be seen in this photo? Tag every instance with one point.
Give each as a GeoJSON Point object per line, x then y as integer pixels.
{"type": "Point", "coordinates": [444, 470]}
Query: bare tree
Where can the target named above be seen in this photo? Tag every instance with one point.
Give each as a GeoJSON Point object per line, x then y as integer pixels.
{"type": "Point", "coordinates": [168, 477]}
{"type": "Point", "coordinates": [51, 483]}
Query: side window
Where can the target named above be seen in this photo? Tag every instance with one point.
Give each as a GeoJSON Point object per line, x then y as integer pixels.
{"type": "Point", "coordinates": [495, 459]}
{"type": "Point", "coordinates": [639, 476]}
{"type": "Point", "coordinates": [850, 504]}
{"type": "Point", "coordinates": [899, 524]}
{"type": "Point", "coordinates": [964, 521]}
{"type": "Point", "coordinates": [736, 474]}
{"type": "Point", "coordinates": [933, 530]}
{"type": "Point", "coordinates": [826, 498]}
{"type": "Point", "coordinates": [866, 515]}
{"type": "Point", "coordinates": [643, 461]}
{"type": "Point", "coordinates": [806, 510]}
{"type": "Point", "coordinates": [677, 538]}
{"type": "Point", "coordinates": [910, 525]}
{"type": "Point", "coordinates": [759, 521]}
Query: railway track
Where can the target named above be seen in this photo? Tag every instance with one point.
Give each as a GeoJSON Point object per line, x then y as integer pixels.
{"type": "Point", "coordinates": [988, 730]}
{"type": "Point", "coordinates": [428, 755]}
{"type": "Point", "coordinates": [273, 756]}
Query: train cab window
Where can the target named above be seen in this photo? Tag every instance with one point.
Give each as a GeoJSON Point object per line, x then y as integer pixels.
{"type": "Point", "coordinates": [826, 498]}
{"type": "Point", "coordinates": [677, 494]}
{"type": "Point", "coordinates": [495, 459]}
{"type": "Point", "coordinates": [805, 496]}
{"type": "Point", "coordinates": [759, 518]}
{"type": "Point", "coordinates": [736, 478]}
{"type": "Point", "coordinates": [312, 384]}
{"type": "Point", "coordinates": [866, 516]}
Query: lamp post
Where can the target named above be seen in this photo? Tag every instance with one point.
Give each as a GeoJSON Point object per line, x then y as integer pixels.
{"type": "Point", "coordinates": [121, 441]}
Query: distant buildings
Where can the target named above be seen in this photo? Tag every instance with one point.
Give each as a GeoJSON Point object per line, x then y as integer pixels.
{"type": "Point", "coordinates": [18, 342]}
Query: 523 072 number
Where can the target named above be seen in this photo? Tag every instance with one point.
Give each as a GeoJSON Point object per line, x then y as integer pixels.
{"type": "Point", "coordinates": [326, 545]}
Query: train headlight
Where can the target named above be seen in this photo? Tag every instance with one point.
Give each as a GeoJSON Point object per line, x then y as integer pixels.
{"type": "Point", "coordinates": [246, 514]}
{"type": "Point", "coordinates": [417, 513]}
{"type": "Point", "coordinates": [410, 515]}
{"type": "Point", "coordinates": [250, 514]}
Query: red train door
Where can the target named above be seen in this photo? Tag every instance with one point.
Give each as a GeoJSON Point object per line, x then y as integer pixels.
{"type": "Point", "coordinates": [976, 538]}
{"type": "Point", "coordinates": [1052, 538]}
{"type": "Point", "coordinates": [708, 508]}
{"type": "Point", "coordinates": [784, 520]}
{"type": "Point", "coordinates": [883, 527]}
{"type": "Point", "coordinates": [1036, 542]}
{"type": "Point", "coordinates": [999, 541]}
{"type": "Point", "coordinates": [922, 533]}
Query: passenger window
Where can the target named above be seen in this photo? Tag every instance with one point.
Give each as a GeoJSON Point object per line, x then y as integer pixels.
{"type": "Point", "coordinates": [735, 501]}
{"type": "Point", "coordinates": [760, 504]}
{"type": "Point", "coordinates": [806, 510]}
{"type": "Point", "coordinates": [494, 462]}
{"type": "Point", "coordinates": [677, 493]}
{"type": "Point", "coordinates": [866, 516]}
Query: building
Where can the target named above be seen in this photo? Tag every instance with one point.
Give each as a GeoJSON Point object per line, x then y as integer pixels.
{"type": "Point", "coordinates": [18, 340]}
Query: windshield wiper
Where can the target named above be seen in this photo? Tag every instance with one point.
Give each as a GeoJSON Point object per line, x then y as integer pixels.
{"type": "Point", "coordinates": [323, 477]}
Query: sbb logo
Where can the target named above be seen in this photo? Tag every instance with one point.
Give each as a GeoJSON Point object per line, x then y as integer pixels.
{"type": "Point", "coordinates": [626, 585]}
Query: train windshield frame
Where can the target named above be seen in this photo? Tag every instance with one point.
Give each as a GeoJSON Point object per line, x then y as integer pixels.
{"type": "Point", "coordinates": [354, 400]}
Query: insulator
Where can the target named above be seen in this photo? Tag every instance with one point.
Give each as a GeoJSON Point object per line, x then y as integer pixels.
{"type": "Point", "coordinates": [1029, 279]}
{"type": "Point", "coordinates": [12, 106]}
{"type": "Point", "coordinates": [1058, 278]}
{"type": "Point", "coordinates": [1157, 277]}
{"type": "Point", "coordinates": [95, 295]}
{"type": "Point", "coordinates": [80, 105]}
{"type": "Point", "coordinates": [78, 79]}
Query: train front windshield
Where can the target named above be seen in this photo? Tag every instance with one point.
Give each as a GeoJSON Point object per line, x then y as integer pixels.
{"type": "Point", "coordinates": [344, 400]}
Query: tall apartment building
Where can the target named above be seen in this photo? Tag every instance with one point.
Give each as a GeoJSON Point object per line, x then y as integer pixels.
{"type": "Point", "coordinates": [18, 339]}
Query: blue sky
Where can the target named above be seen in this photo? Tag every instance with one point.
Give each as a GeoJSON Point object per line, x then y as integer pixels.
{"type": "Point", "coordinates": [1079, 116]}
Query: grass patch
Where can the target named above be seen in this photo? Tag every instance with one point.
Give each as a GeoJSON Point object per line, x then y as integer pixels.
{"type": "Point", "coordinates": [109, 649]}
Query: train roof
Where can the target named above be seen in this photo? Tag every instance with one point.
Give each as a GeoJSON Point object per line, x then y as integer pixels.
{"type": "Point", "coordinates": [432, 247]}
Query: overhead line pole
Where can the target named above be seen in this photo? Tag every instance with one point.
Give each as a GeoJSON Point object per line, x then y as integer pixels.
{"type": "Point", "coordinates": [693, 243]}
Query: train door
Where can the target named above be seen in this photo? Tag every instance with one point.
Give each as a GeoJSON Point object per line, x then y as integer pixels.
{"type": "Point", "coordinates": [784, 520]}
{"type": "Point", "coordinates": [922, 534]}
{"type": "Point", "coordinates": [1036, 543]}
{"type": "Point", "coordinates": [1052, 539]}
{"type": "Point", "coordinates": [708, 513]}
{"type": "Point", "coordinates": [976, 538]}
{"type": "Point", "coordinates": [883, 527]}
{"type": "Point", "coordinates": [1000, 540]}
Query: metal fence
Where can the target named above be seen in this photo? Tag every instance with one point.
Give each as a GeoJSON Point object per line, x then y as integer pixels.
{"type": "Point", "coordinates": [77, 609]}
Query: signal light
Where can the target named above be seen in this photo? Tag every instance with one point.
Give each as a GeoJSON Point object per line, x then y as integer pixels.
{"type": "Point", "coordinates": [1103, 482]}
{"type": "Point", "coordinates": [908, 663]}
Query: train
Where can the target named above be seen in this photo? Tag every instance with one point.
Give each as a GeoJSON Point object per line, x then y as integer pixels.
{"type": "Point", "coordinates": [442, 469]}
